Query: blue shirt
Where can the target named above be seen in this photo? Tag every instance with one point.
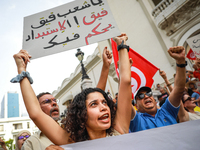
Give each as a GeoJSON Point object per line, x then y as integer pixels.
{"type": "Point", "coordinates": [195, 95]}
{"type": "Point", "coordinates": [166, 115]}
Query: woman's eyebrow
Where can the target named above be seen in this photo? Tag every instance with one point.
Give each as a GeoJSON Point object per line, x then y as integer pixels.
{"type": "Point", "coordinates": [92, 102]}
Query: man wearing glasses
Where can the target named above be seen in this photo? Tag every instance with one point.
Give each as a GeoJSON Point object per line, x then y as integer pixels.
{"type": "Point", "coordinates": [149, 116]}
{"type": "Point", "coordinates": [39, 141]}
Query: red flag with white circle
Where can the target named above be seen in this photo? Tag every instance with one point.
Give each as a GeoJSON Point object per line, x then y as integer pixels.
{"type": "Point", "coordinates": [191, 55]}
{"type": "Point", "coordinates": [142, 71]}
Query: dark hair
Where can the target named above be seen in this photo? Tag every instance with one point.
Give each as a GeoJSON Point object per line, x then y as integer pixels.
{"type": "Point", "coordinates": [76, 117]}
{"type": "Point", "coordinates": [41, 94]}
{"type": "Point", "coordinates": [133, 103]}
{"type": "Point", "coordinates": [190, 92]}
{"type": "Point", "coordinates": [184, 93]}
{"type": "Point", "coordinates": [159, 96]}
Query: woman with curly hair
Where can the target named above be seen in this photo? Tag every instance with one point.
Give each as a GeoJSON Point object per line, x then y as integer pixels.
{"type": "Point", "coordinates": [84, 113]}
{"type": "Point", "coordinates": [91, 115]}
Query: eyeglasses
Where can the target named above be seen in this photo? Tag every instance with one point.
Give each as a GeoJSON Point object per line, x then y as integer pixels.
{"type": "Point", "coordinates": [188, 99]}
{"type": "Point", "coordinates": [142, 95]}
{"type": "Point", "coordinates": [22, 137]}
{"type": "Point", "coordinates": [48, 101]}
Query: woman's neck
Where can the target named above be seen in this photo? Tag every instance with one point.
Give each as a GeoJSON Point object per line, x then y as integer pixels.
{"type": "Point", "coordinates": [96, 134]}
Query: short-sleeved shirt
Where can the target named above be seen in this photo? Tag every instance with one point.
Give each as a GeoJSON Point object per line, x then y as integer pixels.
{"type": "Point", "coordinates": [164, 96]}
{"type": "Point", "coordinates": [166, 115]}
{"type": "Point", "coordinates": [196, 74]}
{"type": "Point", "coordinates": [37, 141]}
{"type": "Point", "coordinates": [194, 116]}
{"type": "Point", "coordinates": [195, 95]}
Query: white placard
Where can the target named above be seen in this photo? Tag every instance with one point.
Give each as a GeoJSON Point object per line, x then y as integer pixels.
{"type": "Point", "coordinates": [72, 25]}
{"type": "Point", "coordinates": [194, 43]}
{"type": "Point", "coordinates": [184, 136]}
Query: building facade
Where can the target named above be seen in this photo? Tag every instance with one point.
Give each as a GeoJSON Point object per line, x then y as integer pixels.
{"type": "Point", "coordinates": [13, 105]}
{"type": "Point", "coordinates": [10, 127]}
{"type": "Point", "coordinates": [11, 121]}
{"type": "Point", "coordinates": [153, 26]}
{"type": "Point", "coordinates": [10, 105]}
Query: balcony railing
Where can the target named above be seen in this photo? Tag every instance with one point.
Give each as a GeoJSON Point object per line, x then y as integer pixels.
{"type": "Point", "coordinates": [161, 6]}
{"type": "Point", "coordinates": [171, 15]}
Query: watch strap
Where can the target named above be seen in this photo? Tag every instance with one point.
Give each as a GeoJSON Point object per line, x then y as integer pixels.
{"type": "Point", "coordinates": [121, 46]}
{"type": "Point", "coordinates": [182, 65]}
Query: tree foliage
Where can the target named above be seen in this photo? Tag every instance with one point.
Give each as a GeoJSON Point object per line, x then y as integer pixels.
{"type": "Point", "coordinates": [9, 144]}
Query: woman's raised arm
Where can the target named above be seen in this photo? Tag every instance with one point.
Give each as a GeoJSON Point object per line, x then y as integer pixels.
{"type": "Point", "coordinates": [44, 122]}
{"type": "Point", "coordinates": [124, 105]}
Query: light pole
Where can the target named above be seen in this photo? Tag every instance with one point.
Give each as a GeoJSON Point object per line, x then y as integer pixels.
{"type": "Point", "coordinates": [80, 56]}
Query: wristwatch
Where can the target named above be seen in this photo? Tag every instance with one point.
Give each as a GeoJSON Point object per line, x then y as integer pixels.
{"type": "Point", "coordinates": [121, 46]}
{"type": "Point", "coordinates": [182, 65]}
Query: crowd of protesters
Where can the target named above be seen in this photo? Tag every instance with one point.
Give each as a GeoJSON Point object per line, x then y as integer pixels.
{"type": "Point", "coordinates": [190, 101]}
{"type": "Point", "coordinates": [95, 114]}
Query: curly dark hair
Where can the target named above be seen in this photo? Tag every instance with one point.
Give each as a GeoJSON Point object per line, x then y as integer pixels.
{"type": "Point", "coordinates": [76, 117]}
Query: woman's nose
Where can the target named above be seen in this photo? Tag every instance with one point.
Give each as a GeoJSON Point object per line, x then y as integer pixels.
{"type": "Point", "coordinates": [103, 107]}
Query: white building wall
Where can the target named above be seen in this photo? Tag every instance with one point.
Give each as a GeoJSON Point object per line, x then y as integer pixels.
{"type": "Point", "coordinates": [135, 18]}
{"type": "Point", "coordinates": [9, 131]}
{"type": "Point", "coordinates": [131, 19]}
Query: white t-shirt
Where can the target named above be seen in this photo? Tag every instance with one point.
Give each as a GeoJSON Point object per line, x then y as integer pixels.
{"type": "Point", "coordinates": [194, 116]}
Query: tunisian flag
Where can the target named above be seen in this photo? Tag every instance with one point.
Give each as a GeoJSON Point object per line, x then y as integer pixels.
{"type": "Point", "coordinates": [142, 71]}
{"type": "Point", "coordinates": [191, 55]}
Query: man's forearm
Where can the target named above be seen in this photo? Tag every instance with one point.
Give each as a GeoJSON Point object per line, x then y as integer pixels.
{"type": "Point", "coordinates": [169, 85]}
{"type": "Point", "coordinates": [178, 53]}
{"type": "Point", "coordinates": [180, 79]}
{"type": "Point", "coordinates": [179, 86]}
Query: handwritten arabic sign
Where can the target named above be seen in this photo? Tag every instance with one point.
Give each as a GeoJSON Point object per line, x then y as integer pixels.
{"type": "Point", "coordinates": [69, 26]}
{"type": "Point", "coordinates": [194, 43]}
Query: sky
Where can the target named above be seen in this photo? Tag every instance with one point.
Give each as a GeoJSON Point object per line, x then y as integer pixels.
{"type": "Point", "coordinates": [47, 72]}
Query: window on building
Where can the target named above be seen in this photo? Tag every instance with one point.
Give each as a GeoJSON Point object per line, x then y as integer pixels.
{"type": "Point", "coordinates": [17, 126]}
{"type": "Point", "coordinates": [28, 125]}
{"type": "Point", "coordinates": [156, 2]}
{"type": "Point", "coordinates": [1, 128]}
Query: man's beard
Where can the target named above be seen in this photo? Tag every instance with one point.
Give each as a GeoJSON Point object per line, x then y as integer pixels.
{"type": "Point", "coordinates": [54, 118]}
